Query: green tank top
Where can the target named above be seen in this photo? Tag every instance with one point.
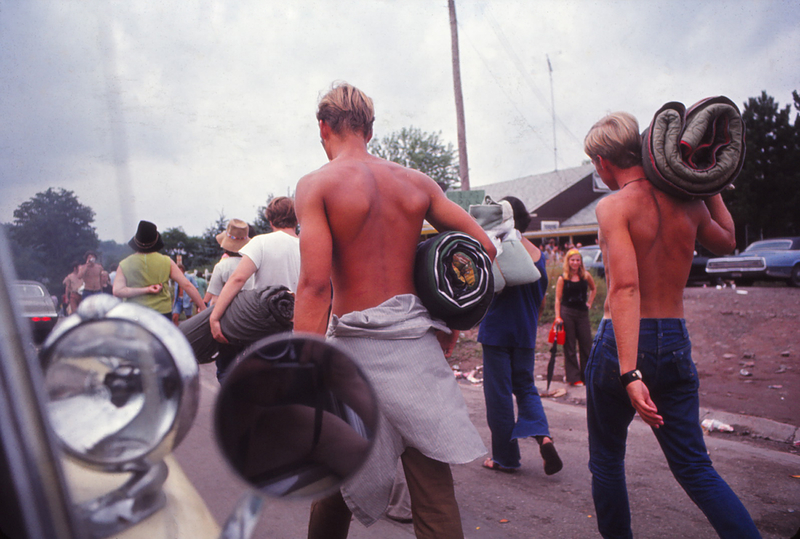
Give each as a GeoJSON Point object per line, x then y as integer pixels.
{"type": "Point", "coordinates": [145, 269]}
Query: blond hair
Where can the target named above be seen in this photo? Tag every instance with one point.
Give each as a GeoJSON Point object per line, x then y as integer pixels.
{"type": "Point", "coordinates": [615, 138]}
{"type": "Point", "coordinates": [346, 108]}
{"type": "Point", "coordinates": [582, 273]}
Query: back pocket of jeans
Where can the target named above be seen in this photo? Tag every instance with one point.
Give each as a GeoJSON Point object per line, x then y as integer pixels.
{"type": "Point", "coordinates": [678, 369]}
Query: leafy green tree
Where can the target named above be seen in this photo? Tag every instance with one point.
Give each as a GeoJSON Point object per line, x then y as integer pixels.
{"type": "Point", "coordinates": [210, 251]}
{"type": "Point", "coordinates": [50, 232]}
{"type": "Point", "coordinates": [177, 242]}
{"type": "Point", "coordinates": [261, 225]}
{"type": "Point", "coordinates": [413, 148]}
{"type": "Point", "coordinates": [766, 201]}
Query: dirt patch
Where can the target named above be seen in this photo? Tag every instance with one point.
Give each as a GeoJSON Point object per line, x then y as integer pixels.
{"type": "Point", "coordinates": [746, 345]}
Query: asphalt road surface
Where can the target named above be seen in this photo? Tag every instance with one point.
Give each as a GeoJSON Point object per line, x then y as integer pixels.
{"type": "Point", "coordinates": [529, 504]}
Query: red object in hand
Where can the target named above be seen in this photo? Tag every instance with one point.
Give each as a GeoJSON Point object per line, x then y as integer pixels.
{"type": "Point", "coordinates": [557, 334]}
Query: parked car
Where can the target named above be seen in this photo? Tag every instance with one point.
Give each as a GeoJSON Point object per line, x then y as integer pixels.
{"type": "Point", "coordinates": [698, 274]}
{"type": "Point", "coordinates": [593, 259]}
{"type": "Point", "coordinates": [37, 307]}
{"type": "Point", "coordinates": [775, 259]}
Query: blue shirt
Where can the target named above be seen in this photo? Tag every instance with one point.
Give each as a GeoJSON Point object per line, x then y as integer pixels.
{"type": "Point", "coordinates": [513, 316]}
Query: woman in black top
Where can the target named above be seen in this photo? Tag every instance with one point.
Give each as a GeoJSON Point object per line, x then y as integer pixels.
{"type": "Point", "coordinates": [575, 291]}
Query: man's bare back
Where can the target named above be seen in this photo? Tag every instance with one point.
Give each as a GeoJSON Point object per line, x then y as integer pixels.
{"type": "Point", "coordinates": [662, 231]}
{"type": "Point", "coordinates": [374, 211]}
{"type": "Point", "coordinates": [360, 219]}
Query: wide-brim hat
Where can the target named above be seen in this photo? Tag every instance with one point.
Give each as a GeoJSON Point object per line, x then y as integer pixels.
{"type": "Point", "coordinates": [235, 237]}
{"type": "Point", "coordinates": [147, 238]}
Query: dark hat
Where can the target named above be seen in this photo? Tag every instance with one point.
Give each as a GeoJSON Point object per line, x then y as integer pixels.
{"type": "Point", "coordinates": [147, 238]}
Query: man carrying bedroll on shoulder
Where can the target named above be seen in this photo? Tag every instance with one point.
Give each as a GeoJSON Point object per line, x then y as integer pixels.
{"type": "Point", "coordinates": [641, 360]}
{"type": "Point", "coordinates": [360, 219]}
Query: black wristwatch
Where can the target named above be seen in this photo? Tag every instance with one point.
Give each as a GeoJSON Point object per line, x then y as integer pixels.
{"type": "Point", "coordinates": [630, 376]}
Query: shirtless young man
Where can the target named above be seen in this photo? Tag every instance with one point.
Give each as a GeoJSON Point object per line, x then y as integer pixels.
{"type": "Point", "coordinates": [91, 274]}
{"type": "Point", "coordinates": [641, 360]}
{"type": "Point", "coordinates": [360, 220]}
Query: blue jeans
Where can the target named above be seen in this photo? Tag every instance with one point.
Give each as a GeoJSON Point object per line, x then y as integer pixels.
{"type": "Point", "coordinates": [665, 360]}
{"type": "Point", "coordinates": [508, 373]}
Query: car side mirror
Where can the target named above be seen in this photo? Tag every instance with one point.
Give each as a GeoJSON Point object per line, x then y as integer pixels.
{"type": "Point", "coordinates": [295, 417]}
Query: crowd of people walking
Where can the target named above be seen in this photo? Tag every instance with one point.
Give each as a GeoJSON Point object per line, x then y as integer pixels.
{"type": "Point", "coordinates": [350, 274]}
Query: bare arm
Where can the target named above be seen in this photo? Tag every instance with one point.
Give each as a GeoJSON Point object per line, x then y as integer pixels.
{"type": "Point", "coordinates": [446, 215]}
{"type": "Point", "coordinates": [559, 293]}
{"type": "Point", "coordinates": [313, 298]}
{"type": "Point", "coordinates": [233, 286]}
{"type": "Point", "coordinates": [624, 300]}
{"type": "Point", "coordinates": [592, 290]}
{"type": "Point", "coordinates": [186, 285]}
{"type": "Point", "coordinates": [122, 290]}
{"type": "Point", "coordinates": [716, 231]}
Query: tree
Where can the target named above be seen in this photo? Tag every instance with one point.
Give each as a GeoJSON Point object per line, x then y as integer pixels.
{"type": "Point", "coordinates": [766, 201]}
{"type": "Point", "coordinates": [210, 251]}
{"type": "Point", "coordinates": [50, 232]}
{"type": "Point", "coordinates": [413, 148]}
{"type": "Point", "coordinates": [261, 225]}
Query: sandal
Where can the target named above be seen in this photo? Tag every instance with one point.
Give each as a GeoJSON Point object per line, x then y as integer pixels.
{"type": "Point", "coordinates": [552, 462]}
{"type": "Point", "coordinates": [492, 465]}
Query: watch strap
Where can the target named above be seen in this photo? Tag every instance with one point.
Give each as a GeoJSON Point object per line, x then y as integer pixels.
{"type": "Point", "coordinates": [630, 376]}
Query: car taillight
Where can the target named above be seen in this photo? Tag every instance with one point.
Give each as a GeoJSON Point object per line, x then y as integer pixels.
{"type": "Point", "coordinates": [41, 318]}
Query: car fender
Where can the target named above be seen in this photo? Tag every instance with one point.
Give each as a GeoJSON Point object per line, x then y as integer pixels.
{"type": "Point", "coordinates": [184, 515]}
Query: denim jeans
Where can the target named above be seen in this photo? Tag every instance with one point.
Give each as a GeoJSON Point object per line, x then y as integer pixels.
{"type": "Point", "coordinates": [665, 360]}
{"type": "Point", "coordinates": [508, 373]}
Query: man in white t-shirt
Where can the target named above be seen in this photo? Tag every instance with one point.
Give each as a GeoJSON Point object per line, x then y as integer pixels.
{"type": "Point", "coordinates": [273, 259]}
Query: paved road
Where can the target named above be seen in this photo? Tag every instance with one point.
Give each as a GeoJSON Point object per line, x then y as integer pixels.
{"type": "Point", "coordinates": [535, 505]}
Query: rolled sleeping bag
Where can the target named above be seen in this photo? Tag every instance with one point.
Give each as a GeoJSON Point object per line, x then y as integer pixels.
{"type": "Point", "coordinates": [252, 315]}
{"type": "Point", "coordinates": [453, 277]}
{"type": "Point", "coordinates": [694, 153]}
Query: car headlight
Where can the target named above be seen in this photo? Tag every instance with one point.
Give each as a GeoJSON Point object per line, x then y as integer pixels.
{"type": "Point", "coordinates": [122, 390]}
{"type": "Point", "coordinates": [122, 385]}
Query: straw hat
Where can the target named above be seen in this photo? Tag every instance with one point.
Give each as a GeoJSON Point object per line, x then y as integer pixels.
{"type": "Point", "coordinates": [235, 236]}
{"type": "Point", "coordinates": [147, 238]}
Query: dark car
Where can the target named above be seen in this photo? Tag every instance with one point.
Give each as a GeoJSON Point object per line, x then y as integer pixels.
{"type": "Point", "coordinates": [698, 274]}
{"type": "Point", "coordinates": [38, 307]}
{"type": "Point", "coordinates": [593, 260]}
{"type": "Point", "coordinates": [776, 259]}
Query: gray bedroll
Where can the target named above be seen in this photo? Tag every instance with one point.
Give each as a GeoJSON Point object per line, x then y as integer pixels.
{"type": "Point", "coordinates": [697, 152]}
{"type": "Point", "coordinates": [252, 315]}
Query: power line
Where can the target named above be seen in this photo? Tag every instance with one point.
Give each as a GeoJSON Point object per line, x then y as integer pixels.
{"type": "Point", "coordinates": [525, 75]}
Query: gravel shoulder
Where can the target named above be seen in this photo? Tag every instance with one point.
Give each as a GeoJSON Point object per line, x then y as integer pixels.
{"type": "Point", "coordinates": [746, 345]}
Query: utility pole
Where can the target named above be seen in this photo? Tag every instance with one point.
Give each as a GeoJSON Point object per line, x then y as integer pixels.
{"type": "Point", "coordinates": [553, 109]}
{"type": "Point", "coordinates": [463, 167]}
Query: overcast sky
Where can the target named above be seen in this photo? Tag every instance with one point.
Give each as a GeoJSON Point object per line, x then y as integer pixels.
{"type": "Point", "coordinates": [191, 110]}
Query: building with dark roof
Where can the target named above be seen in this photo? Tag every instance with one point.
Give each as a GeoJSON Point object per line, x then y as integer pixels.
{"type": "Point", "coordinates": [562, 202]}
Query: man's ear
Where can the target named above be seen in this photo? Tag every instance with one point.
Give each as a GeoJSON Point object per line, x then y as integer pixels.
{"type": "Point", "coordinates": [324, 130]}
{"type": "Point", "coordinates": [369, 136]}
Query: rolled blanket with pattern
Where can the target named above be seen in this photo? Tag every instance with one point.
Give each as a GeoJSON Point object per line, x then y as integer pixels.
{"type": "Point", "coordinates": [252, 315]}
{"type": "Point", "coordinates": [694, 153]}
{"type": "Point", "coordinates": [453, 277]}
